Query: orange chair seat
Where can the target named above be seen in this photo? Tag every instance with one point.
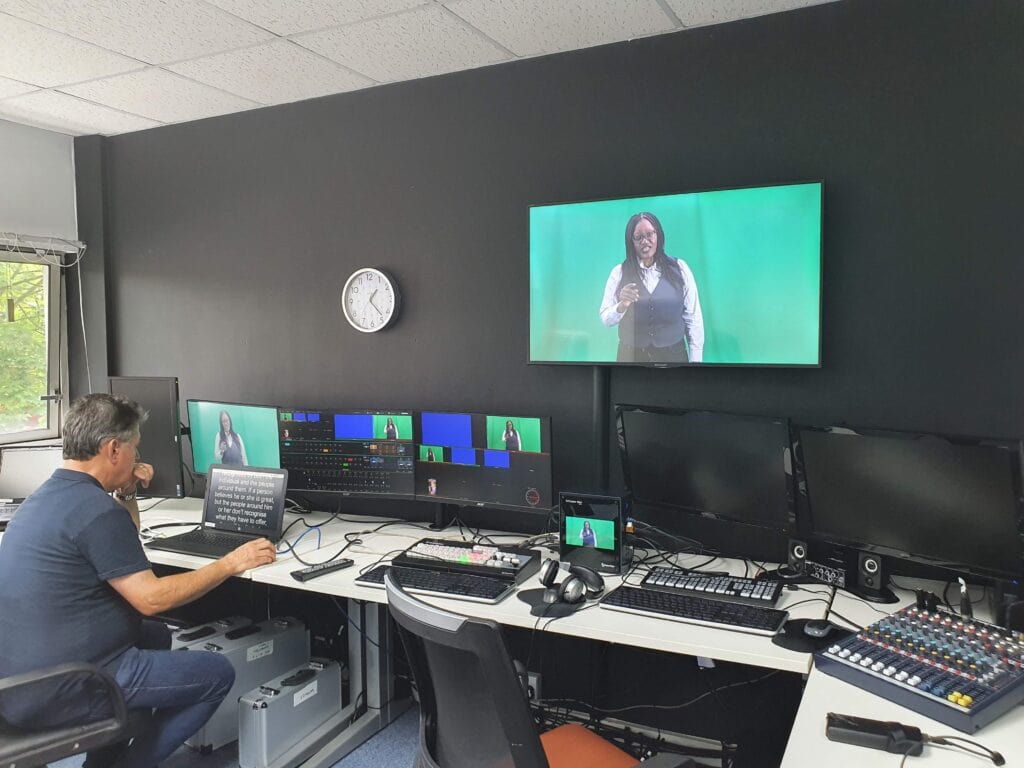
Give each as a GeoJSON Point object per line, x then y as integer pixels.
{"type": "Point", "coordinates": [573, 746]}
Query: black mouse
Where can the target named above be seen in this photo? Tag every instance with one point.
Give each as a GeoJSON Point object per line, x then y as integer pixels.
{"type": "Point", "coordinates": [818, 627]}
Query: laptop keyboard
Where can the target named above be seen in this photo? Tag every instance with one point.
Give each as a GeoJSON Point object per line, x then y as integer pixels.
{"type": "Point", "coordinates": [204, 541]}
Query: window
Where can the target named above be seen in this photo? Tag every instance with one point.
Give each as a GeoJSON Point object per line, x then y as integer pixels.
{"type": "Point", "coordinates": [32, 349]}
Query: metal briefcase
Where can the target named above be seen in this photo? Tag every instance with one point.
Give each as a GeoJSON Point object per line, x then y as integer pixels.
{"type": "Point", "coordinates": [182, 638]}
{"type": "Point", "coordinates": [279, 714]}
{"type": "Point", "coordinates": [258, 652]}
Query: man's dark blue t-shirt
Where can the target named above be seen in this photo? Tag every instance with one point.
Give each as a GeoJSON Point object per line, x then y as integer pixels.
{"type": "Point", "coordinates": [65, 542]}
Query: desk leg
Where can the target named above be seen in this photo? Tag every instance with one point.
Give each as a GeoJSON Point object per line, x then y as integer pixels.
{"type": "Point", "coordinates": [371, 685]}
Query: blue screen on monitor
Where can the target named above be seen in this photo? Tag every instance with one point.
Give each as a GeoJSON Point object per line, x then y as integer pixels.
{"type": "Point", "coordinates": [353, 426]}
{"type": "Point", "coordinates": [455, 429]}
{"type": "Point", "coordinates": [496, 459]}
{"type": "Point", "coordinates": [464, 456]}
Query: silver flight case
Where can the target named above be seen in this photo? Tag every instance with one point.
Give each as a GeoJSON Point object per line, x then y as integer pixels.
{"type": "Point", "coordinates": [197, 635]}
{"type": "Point", "coordinates": [258, 652]}
{"type": "Point", "coordinates": [279, 715]}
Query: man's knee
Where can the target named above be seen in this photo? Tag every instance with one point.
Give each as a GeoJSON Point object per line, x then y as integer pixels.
{"type": "Point", "coordinates": [222, 673]}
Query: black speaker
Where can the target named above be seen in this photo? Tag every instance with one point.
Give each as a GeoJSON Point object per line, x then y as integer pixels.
{"type": "Point", "coordinates": [797, 556]}
{"type": "Point", "coordinates": [872, 579]}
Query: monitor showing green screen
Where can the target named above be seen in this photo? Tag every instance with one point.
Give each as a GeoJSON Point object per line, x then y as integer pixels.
{"type": "Point", "coordinates": [728, 277]}
{"type": "Point", "coordinates": [234, 434]}
{"type": "Point", "coordinates": [590, 532]}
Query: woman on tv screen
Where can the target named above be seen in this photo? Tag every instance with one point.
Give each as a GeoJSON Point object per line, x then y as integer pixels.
{"type": "Point", "coordinates": [653, 300]}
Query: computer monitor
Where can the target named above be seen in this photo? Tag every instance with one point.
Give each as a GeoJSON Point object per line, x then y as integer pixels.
{"type": "Point", "coordinates": [485, 460]}
{"type": "Point", "coordinates": [353, 453]}
{"type": "Point", "coordinates": [234, 434]}
{"type": "Point", "coordinates": [942, 500]}
{"type": "Point", "coordinates": [727, 466]}
{"type": "Point", "coordinates": [161, 433]}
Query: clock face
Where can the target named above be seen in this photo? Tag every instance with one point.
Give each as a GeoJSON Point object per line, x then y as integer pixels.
{"type": "Point", "coordinates": [369, 300]}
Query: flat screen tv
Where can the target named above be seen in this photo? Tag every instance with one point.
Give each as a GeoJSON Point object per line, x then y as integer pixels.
{"type": "Point", "coordinates": [724, 277]}
{"type": "Point", "coordinates": [234, 434]}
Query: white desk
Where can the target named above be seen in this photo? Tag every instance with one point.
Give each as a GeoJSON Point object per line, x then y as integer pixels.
{"type": "Point", "coordinates": [808, 747]}
{"type": "Point", "coordinates": [807, 744]}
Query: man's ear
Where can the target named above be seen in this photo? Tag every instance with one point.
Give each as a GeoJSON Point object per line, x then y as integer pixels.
{"type": "Point", "coordinates": [112, 450]}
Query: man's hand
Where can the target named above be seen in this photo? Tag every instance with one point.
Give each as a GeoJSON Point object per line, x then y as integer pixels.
{"type": "Point", "coordinates": [250, 555]}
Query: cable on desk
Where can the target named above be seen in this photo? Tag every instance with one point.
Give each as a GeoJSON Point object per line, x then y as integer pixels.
{"type": "Point", "coordinates": [291, 547]}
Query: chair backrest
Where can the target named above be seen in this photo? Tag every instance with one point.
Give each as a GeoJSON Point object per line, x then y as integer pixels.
{"type": "Point", "coordinates": [473, 711]}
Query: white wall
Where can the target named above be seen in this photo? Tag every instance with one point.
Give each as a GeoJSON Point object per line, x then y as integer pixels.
{"type": "Point", "coordinates": [37, 189]}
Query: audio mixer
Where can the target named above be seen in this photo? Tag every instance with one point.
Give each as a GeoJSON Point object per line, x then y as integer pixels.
{"type": "Point", "coordinates": [962, 672]}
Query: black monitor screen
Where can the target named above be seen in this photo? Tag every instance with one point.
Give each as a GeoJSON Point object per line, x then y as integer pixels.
{"type": "Point", "coordinates": [365, 453]}
{"type": "Point", "coordinates": [485, 460]}
{"type": "Point", "coordinates": [720, 465]}
{"type": "Point", "coordinates": [161, 433]}
{"type": "Point", "coordinates": [944, 500]}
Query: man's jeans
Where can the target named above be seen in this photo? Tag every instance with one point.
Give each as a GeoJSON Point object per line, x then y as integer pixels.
{"type": "Point", "coordinates": [183, 688]}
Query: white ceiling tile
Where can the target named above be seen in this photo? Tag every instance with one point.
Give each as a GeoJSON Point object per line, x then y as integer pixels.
{"type": "Point", "coordinates": [287, 17]}
{"type": "Point", "coordinates": [535, 27]}
{"type": "Point", "coordinates": [697, 12]}
{"type": "Point", "coordinates": [45, 58]}
{"type": "Point", "coordinates": [272, 73]}
{"type": "Point", "coordinates": [419, 43]}
{"type": "Point", "coordinates": [66, 114]}
{"type": "Point", "coordinates": [10, 88]}
{"type": "Point", "coordinates": [153, 31]}
{"type": "Point", "coordinates": [160, 95]}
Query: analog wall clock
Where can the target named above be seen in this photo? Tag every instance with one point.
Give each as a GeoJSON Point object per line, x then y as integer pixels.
{"type": "Point", "coordinates": [370, 300]}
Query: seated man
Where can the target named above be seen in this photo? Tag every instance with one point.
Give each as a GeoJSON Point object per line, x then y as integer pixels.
{"type": "Point", "coordinates": [76, 584]}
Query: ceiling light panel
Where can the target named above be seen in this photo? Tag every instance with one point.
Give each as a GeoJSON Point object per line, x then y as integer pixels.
{"type": "Point", "coordinates": [67, 114]}
{"type": "Point", "coordinates": [535, 27]}
{"type": "Point", "coordinates": [38, 56]}
{"type": "Point", "coordinates": [288, 17]}
{"type": "Point", "coordinates": [160, 95]}
{"type": "Point", "coordinates": [419, 43]}
{"type": "Point", "coordinates": [272, 73]}
{"type": "Point", "coordinates": [153, 31]}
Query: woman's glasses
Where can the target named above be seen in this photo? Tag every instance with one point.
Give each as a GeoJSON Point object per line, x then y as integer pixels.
{"type": "Point", "coordinates": [639, 237]}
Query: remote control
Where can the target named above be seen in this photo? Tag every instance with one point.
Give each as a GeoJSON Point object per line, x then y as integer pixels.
{"type": "Point", "coordinates": [305, 574]}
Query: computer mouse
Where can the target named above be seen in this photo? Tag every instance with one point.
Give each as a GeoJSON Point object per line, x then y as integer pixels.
{"type": "Point", "coordinates": [818, 627]}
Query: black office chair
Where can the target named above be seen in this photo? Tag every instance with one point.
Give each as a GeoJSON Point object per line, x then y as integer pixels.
{"type": "Point", "coordinates": [473, 708]}
{"type": "Point", "coordinates": [24, 747]}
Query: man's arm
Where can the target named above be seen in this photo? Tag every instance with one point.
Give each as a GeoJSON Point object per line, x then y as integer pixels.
{"type": "Point", "coordinates": [150, 594]}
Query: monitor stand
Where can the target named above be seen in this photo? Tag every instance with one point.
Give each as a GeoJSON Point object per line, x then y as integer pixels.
{"type": "Point", "coordinates": [442, 517]}
{"type": "Point", "coordinates": [881, 595]}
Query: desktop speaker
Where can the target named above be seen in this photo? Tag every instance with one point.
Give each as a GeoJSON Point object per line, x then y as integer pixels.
{"type": "Point", "coordinates": [872, 579]}
{"type": "Point", "coordinates": [797, 556]}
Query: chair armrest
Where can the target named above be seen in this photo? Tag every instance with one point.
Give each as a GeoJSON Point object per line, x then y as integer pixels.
{"type": "Point", "coordinates": [667, 760]}
{"type": "Point", "coordinates": [71, 670]}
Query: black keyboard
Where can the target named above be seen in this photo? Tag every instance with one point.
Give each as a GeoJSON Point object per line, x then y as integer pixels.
{"type": "Point", "coordinates": [696, 610]}
{"type": "Point", "coordinates": [732, 589]}
{"type": "Point", "coordinates": [463, 586]}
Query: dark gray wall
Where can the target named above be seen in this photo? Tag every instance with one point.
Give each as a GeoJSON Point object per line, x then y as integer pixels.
{"type": "Point", "coordinates": [229, 239]}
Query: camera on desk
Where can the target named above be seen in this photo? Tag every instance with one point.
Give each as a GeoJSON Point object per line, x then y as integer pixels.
{"type": "Point", "coordinates": [592, 530]}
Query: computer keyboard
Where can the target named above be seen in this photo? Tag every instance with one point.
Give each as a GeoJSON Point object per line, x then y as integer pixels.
{"type": "Point", "coordinates": [463, 586]}
{"type": "Point", "coordinates": [732, 589]}
{"type": "Point", "coordinates": [696, 610]}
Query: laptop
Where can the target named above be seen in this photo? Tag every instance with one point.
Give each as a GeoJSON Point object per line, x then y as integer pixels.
{"type": "Point", "coordinates": [241, 504]}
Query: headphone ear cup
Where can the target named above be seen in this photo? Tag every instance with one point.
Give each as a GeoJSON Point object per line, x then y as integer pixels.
{"type": "Point", "coordinates": [591, 578]}
{"type": "Point", "coordinates": [548, 572]}
{"type": "Point", "coordinates": [572, 591]}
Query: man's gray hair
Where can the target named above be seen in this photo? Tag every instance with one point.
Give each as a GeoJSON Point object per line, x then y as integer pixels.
{"type": "Point", "coordinates": [94, 419]}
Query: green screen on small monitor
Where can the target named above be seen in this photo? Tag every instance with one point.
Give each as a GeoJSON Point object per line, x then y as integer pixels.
{"type": "Point", "coordinates": [589, 532]}
{"type": "Point", "coordinates": [235, 434]}
{"type": "Point", "coordinates": [513, 433]}
{"type": "Point", "coordinates": [744, 286]}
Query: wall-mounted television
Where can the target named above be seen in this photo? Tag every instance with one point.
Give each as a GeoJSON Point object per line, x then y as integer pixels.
{"type": "Point", "coordinates": [723, 277]}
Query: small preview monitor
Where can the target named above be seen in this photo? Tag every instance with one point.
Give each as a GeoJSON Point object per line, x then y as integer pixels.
{"type": "Point", "coordinates": [161, 432]}
{"type": "Point", "coordinates": [949, 501]}
{"type": "Point", "coordinates": [353, 453]}
{"type": "Point", "coordinates": [485, 460]}
{"type": "Point", "coordinates": [233, 434]}
{"type": "Point", "coordinates": [720, 465]}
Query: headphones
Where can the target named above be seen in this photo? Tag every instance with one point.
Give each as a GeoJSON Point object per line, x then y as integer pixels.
{"type": "Point", "coordinates": [581, 584]}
